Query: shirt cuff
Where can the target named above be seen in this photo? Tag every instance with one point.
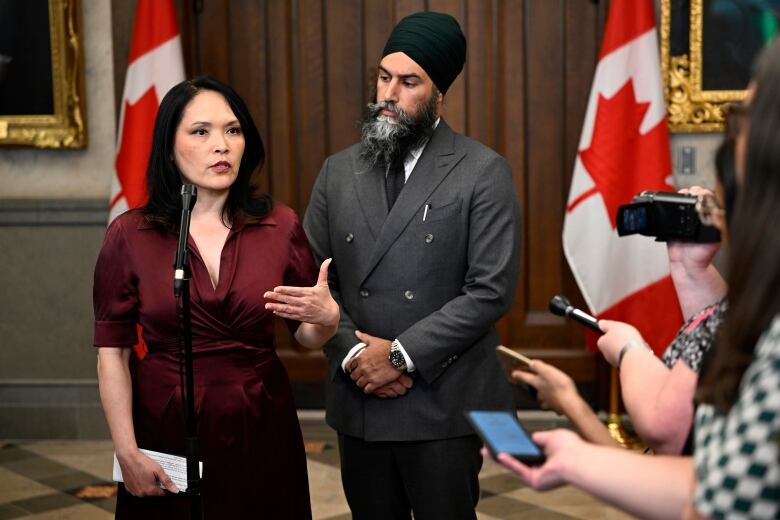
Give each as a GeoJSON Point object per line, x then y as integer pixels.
{"type": "Point", "coordinates": [354, 351]}
{"type": "Point", "coordinates": [409, 364]}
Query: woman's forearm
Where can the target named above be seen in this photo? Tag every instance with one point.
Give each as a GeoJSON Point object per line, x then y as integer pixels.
{"type": "Point", "coordinates": [658, 400]}
{"type": "Point", "coordinates": [645, 486]}
{"type": "Point", "coordinates": [587, 423]}
{"type": "Point", "coordinates": [116, 394]}
{"type": "Point", "coordinates": [696, 289]}
{"type": "Point", "coordinates": [312, 335]}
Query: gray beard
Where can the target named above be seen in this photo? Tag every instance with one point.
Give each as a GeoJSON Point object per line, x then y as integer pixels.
{"type": "Point", "coordinates": [386, 140]}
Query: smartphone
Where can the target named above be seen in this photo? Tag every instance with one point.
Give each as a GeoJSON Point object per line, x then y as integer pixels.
{"type": "Point", "coordinates": [502, 433]}
{"type": "Point", "coordinates": [511, 361]}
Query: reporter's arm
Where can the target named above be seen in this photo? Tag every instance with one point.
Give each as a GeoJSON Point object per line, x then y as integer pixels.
{"type": "Point", "coordinates": [696, 281]}
{"type": "Point", "coordinates": [653, 487]}
{"type": "Point", "coordinates": [696, 286]}
{"type": "Point", "coordinates": [659, 400]}
{"type": "Point", "coordinates": [588, 423]}
{"type": "Point", "coordinates": [139, 472]}
{"type": "Point", "coordinates": [644, 486]}
{"type": "Point", "coordinates": [557, 391]}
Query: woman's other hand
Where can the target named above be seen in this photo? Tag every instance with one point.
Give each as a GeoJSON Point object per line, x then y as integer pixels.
{"type": "Point", "coordinates": [143, 476]}
{"type": "Point", "coordinates": [313, 305]}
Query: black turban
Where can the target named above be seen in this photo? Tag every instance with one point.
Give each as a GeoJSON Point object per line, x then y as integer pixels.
{"type": "Point", "coordinates": [435, 42]}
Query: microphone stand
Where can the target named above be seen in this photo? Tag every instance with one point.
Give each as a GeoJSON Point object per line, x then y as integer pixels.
{"type": "Point", "coordinates": [181, 290]}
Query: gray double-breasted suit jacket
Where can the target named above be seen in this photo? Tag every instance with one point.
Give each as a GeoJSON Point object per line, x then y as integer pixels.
{"type": "Point", "coordinates": [436, 280]}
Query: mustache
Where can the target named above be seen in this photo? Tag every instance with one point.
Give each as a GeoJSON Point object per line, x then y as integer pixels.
{"type": "Point", "coordinates": [386, 139]}
{"type": "Point", "coordinates": [375, 109]}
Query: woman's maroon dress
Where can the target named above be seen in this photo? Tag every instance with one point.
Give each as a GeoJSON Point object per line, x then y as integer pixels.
{"type": "Point", "coordinates": [254, 465]}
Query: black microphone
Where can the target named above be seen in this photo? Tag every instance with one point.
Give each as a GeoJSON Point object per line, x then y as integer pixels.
{"type": "Point", "coordinates": [189, 194]}
{"type": "Point", "coordinates": [561, 306]}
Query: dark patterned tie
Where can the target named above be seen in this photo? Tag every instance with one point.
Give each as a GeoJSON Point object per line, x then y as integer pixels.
{"type": "Point", "coordinates": [394, 182]}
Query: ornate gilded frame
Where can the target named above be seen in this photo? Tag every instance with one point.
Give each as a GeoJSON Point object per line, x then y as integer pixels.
{"type": "Point", "coordinates": [689, 107]}
{"type": "Point", "coordinates": [66, 127]}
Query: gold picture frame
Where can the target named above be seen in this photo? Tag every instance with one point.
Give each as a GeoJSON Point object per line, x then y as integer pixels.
{"type": "Point", "coordinates": [690, 107]}
{"type": "Point", "coordinates": [65, 127]}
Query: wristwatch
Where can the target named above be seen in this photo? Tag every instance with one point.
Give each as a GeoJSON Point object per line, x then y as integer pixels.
{"type": "Point", "coordinates": [396, 357]}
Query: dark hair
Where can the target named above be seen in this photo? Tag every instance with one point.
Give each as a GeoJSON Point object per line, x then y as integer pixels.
{"type": "Point", "coordinates": [754, 265]}
{"type": "Point", "coordinates": [163, 178]}
{"type": "Point", "coordinates": [726, 173]}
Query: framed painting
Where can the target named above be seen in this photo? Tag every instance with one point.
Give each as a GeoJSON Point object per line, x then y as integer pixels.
{"type": "Point", "coordinates": [707, 51]}
{"type": "Point", "coordinates": [41, 74]}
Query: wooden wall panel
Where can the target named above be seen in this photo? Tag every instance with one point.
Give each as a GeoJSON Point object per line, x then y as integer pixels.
{"type": "Point", "coordinates": [247, 68]}
{"type": "Point", "coordinates": [512, 137]}
{"type": "Point", "coordinates": [344, 75]}
{"type": "Point", "coordinates": [306, 67]}
{"type": "Point", "coordinates": [311, 116]}
{"type": "Point", "coordinates": [480, 74]}
{"type": "Point", "coordinates": [455, 107]}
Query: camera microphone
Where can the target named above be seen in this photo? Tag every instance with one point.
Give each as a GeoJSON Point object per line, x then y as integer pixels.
{"type": "Point", "coordinates": [561, 306]}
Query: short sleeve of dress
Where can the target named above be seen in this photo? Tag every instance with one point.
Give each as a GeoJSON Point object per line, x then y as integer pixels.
{"type": "Point", "coordinates": [696, 336]}
{"type": "Point", "coordinates": [737, 456]}
{"type": "Point", "coordinates": [301, 269]}
{"type": "Point", "coordinates": [114, 293]}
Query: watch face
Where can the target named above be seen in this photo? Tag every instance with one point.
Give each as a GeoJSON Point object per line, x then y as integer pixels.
{"type": "Point", "coordinates": [397, 359]}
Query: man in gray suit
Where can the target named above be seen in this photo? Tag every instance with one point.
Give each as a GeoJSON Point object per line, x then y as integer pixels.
{"type": "Point", "coordinates": [423, 228]}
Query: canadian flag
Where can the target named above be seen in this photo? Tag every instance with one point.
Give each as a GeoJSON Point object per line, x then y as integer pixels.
{"type": "Point", "coordinates": [623, 149]}
{"type": "Point", "coordinates": [155, 65]}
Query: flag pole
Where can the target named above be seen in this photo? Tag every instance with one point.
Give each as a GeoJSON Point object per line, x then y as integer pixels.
{"type": "Point", "coordinates": [625, 438]}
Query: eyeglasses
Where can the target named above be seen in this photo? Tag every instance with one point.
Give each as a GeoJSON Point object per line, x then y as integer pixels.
{"type": "Point", "coordinates": [736, 114]}
{"type": "Point", "coordinates": [708, 208]}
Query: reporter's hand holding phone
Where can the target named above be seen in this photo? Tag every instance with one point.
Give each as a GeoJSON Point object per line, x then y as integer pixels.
{"type": "Point", "coordinates": [560, 448]}
{"type": "Point", "coordinates": [555, 390]}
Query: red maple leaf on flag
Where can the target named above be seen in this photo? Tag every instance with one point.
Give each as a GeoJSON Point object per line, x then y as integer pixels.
{"type": "Point", "coordinates": [621, 160]}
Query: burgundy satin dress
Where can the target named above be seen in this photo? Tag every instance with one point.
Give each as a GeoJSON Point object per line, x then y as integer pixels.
{"type": "Point", "coordinates": [254, 465]}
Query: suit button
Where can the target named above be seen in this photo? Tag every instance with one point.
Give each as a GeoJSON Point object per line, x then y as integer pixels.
{"type": "Point", "coordinates": [364, 293]}
{"type": "Point", "coordinates": [349, 238]}
{"type": "Point", "coordinates": [429, 238]}
{"type": "Point", "coordinates": [409, 295]}
{"type": "Point", "coordinates": [444, 365]}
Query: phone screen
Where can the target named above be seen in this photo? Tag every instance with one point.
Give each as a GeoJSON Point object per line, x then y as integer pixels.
{"type": "Point", "coordinates": [503, 434]}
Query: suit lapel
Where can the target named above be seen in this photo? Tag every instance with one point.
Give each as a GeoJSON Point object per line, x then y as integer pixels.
{"type": "Point", "coordinates": [436, 162]}
{"type": "Point", "coordinates": [370, 188]}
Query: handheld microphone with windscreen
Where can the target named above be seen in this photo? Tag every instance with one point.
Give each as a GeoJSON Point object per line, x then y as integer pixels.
{"type": "Point", "coordinates": [561, 306]}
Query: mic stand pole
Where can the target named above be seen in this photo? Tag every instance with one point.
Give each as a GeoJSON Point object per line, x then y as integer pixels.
{"type": "Point", "coordinates": [181, 289]}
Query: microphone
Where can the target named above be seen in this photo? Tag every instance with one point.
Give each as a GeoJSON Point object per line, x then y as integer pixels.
{"type": "Point", "coordinates": [189, 194]}
{"type": "Point", "coordinates": [561, 306]}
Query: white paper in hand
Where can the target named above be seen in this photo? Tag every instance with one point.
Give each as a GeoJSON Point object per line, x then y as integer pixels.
{"type": "Point", "coordinates": [173, 465]}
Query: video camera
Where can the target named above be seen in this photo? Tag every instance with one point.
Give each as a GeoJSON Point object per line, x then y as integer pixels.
{"type": "Point", "coordinates": [665, 216]}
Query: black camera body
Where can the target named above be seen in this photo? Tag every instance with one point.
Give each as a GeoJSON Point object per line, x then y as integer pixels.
{"type": "Point", "coordinates": [665, 216]}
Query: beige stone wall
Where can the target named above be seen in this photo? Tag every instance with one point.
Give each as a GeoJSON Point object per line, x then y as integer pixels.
{"type": "Point", "coordinates": [30, 173]}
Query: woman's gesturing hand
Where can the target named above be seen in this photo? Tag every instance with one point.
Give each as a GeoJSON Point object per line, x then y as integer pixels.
{"type": "Point", "coordinates": [313, 305]}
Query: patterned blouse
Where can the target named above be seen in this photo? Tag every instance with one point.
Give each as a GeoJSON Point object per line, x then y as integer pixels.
{"type": "Point", "coordinates": [696, 336]}
{"type": "Point", "coordinates": [737, 456]}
